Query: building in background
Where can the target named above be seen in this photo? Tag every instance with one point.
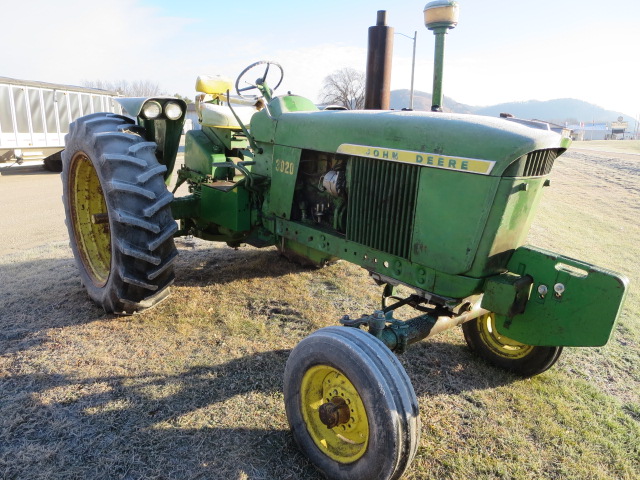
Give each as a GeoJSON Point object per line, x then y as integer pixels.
{"type": "Point", "coordinates": [618, 130]}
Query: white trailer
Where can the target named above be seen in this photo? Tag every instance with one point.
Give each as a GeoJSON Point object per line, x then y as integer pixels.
{"type": "Point", "coordinates": [35, 116]}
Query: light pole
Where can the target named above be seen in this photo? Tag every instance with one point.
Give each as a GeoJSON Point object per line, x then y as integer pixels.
{"type": "Point", "coordinates": [439, 16]}
{"type": "Point", "coordinates": [413, 64]}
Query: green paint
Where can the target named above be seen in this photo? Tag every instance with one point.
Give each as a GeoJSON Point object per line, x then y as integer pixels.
{"type": "Point", "coordinates": [225, 208]}
{"type": "Point", "coordinates": [582, 314]}
{"type": "Point", "coordinates": [437, 202]}
{"type": "Point", "coordinates": [284, 168]}
{"type": "Point", "coordinates": [203, 153]}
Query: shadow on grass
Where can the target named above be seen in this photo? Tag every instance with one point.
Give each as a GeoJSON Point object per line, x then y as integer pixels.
{"type": "Point", "coordinates": [32, 169]}
{"type": "Point", "coordinates": [57, 426]}
{"type": "Point", "coordinates": [437, 368]}
{"type": "Point", "coordinates": [36, 295]}
{"type": "Point", "coordinates": [211, 421]}
{"type": "Point", "coordinates": [207, 422]}
{"type": "Point", "coordinates": [47, 293]}
{"type": "Point", "coordinates": [221, 264]}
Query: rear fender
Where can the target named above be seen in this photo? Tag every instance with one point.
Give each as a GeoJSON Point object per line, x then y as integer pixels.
{"type": "Point", "coordinates": [548, 299]}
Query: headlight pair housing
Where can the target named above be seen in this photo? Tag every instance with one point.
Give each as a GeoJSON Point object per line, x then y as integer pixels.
{"type": "Point", "coordinates": [153, 110]}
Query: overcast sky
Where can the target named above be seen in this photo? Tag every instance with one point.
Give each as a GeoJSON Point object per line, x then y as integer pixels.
{"type": "Point", "coordinates": [502, 50]}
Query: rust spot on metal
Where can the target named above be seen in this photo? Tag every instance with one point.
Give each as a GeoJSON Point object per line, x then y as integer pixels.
{"type": "Point", "coordinates": [334, 413]}
{"type": "Point", "coordinates": [99, 218]}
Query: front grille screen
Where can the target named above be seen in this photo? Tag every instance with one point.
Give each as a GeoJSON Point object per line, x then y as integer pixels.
{"type": "Point", "coordinates": [382, 198]}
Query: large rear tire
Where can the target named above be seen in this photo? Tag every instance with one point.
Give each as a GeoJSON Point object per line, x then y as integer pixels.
{"type": "Point", "coordinates": [117, 213]}
{"type": "Point", "coordinates": [525, 360]}
{"type": "Point", "coordinates": [351, 406]}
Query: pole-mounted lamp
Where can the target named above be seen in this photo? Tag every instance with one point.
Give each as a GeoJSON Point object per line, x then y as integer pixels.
{"type": "Point", "coordinates": [439, 16]}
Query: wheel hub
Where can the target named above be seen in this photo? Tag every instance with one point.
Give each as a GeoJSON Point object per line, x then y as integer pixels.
{"type": "Point", "coordinates": [334, 413]}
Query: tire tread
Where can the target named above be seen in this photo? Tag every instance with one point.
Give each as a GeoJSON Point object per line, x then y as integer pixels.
{"type": "Point", "coordinates": [138, 204]}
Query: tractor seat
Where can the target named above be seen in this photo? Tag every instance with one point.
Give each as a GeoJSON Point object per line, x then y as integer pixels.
{"type": "Point", "coordinates": [218, 114]}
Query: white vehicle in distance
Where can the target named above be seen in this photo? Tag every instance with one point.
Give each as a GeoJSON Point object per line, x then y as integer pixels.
{"type": "Point", "coordinates": [35, 117]}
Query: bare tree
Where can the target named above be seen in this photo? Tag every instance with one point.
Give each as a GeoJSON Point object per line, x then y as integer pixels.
{"type": "Point", "coordinates": [135, 88]}
{"type": "Point", "coordinates": [344, 87]}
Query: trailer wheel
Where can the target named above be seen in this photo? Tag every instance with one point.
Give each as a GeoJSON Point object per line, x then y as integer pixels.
{"type": "Point", "coordinates": [53, 163]}
{"type": "Point", "coordinates": [351, 406]}
{"type": "Point", "coordinates": [522, 359]}
{"type": "Point", "coordinates": [117, 214]}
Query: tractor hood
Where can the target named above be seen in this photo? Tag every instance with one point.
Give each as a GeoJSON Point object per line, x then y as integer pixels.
{"type": "Point", "coordinates": [484, 145]}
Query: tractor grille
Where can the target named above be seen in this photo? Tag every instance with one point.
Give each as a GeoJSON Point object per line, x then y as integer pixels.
{"type": "Point", "coordinates": [539, 162]}
{"type": "Point", "coordinates": [382, 197]}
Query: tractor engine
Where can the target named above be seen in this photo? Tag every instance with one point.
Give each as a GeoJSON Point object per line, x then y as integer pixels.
{"type": "Point", "coordinates": [320, 194]}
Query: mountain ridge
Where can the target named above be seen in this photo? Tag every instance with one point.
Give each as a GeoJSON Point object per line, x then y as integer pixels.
{"type": "Point", "coordinates": [559, 110]}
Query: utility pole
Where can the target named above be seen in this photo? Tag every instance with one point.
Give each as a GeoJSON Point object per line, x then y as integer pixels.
{"type": "Point", "coordinates": [413, 64]}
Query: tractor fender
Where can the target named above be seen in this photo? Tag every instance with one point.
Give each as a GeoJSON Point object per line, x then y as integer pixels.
{"type": "Point", "coordinates": [162, 130]}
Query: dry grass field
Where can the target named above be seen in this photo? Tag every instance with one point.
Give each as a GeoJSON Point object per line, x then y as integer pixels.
{"type": "Point", "coordinates": [192, 389]}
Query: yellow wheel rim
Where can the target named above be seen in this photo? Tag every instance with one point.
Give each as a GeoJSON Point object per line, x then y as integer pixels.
{"type": "Point", "coordinates": [89, 218]}
{"type": "Point", "coordinates": [499, 344]}
{"type": "Point", "coordinates": [344, 443]}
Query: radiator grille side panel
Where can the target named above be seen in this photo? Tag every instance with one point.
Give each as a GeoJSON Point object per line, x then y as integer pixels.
{"type": "Point", "coordinates": [382, 197]}
{"type": "Point", "coordinates": [539, 162]}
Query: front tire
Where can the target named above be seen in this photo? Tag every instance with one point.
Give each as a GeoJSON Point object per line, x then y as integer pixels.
{"type": "Point", "coordinates": [351, 406]}
{"type": "Point", "coordinates": [525, 360]}
{"type": "Point", "coordinates": [117, 213]}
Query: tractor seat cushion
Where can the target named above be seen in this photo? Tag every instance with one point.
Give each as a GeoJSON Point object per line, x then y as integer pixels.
{"type": "Point", "coordinates": [213, 84]}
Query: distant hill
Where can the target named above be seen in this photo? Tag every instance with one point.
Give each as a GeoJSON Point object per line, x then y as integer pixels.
{"type": "Point", "coordinates": [558, 111]}
{"type": "Point", "coordinates": [422, 101]}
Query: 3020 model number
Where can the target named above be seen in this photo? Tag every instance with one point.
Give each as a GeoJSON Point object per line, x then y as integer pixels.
{"type": "Point", "coordinates": [285, 167]}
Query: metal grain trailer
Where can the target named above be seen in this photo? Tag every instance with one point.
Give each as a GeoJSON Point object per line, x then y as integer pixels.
{"type": "Point", "coordinates": [35, 117]}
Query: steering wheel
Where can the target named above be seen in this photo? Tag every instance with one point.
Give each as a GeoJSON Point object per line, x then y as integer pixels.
{"type": "Point", "coordinates": [260, 80]}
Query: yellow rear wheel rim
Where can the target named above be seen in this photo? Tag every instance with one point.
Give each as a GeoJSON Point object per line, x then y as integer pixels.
{"type": "Point", "coordinates": [89, 216]}
{"type": "Point", "coordinates": [344, 443]}
{"type": "Point", "coordinates": [499, 344]}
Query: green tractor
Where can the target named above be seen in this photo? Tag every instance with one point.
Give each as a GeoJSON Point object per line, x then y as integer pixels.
{"type": "Point", "coordinates": [439, 203]}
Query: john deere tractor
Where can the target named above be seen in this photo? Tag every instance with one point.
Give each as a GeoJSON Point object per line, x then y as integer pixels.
{"type": "Point", "coordinates": [437, 202]}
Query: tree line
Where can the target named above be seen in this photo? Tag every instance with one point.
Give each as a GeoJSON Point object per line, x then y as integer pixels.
{"type": "Point", "coordinates": [344, 88]}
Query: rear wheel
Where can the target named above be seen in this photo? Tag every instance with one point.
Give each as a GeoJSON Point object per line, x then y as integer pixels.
{"type": "Point", "coordinates": [117, 213]}
{"type": "Point", "coordinates": [483, 339]}
{"type": "Point", "coordinates": [351, 406]}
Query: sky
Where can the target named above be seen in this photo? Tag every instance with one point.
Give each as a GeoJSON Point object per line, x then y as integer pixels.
{"type": "Point", "coordinates": [501, 50]}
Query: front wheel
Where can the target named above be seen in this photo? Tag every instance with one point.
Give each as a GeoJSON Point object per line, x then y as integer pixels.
{"type": "Point", "coordinates": [351, 406]}
{"type": "Point", "coordinates": [118, 213]}
{"type": "Point", "coordinates": [484, 340]}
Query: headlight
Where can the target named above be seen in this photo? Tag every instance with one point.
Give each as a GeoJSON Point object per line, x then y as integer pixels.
{"type": "Point", "coordinates": [172, 110]}
{"type": "Point", "coordinates": [151, 110]}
